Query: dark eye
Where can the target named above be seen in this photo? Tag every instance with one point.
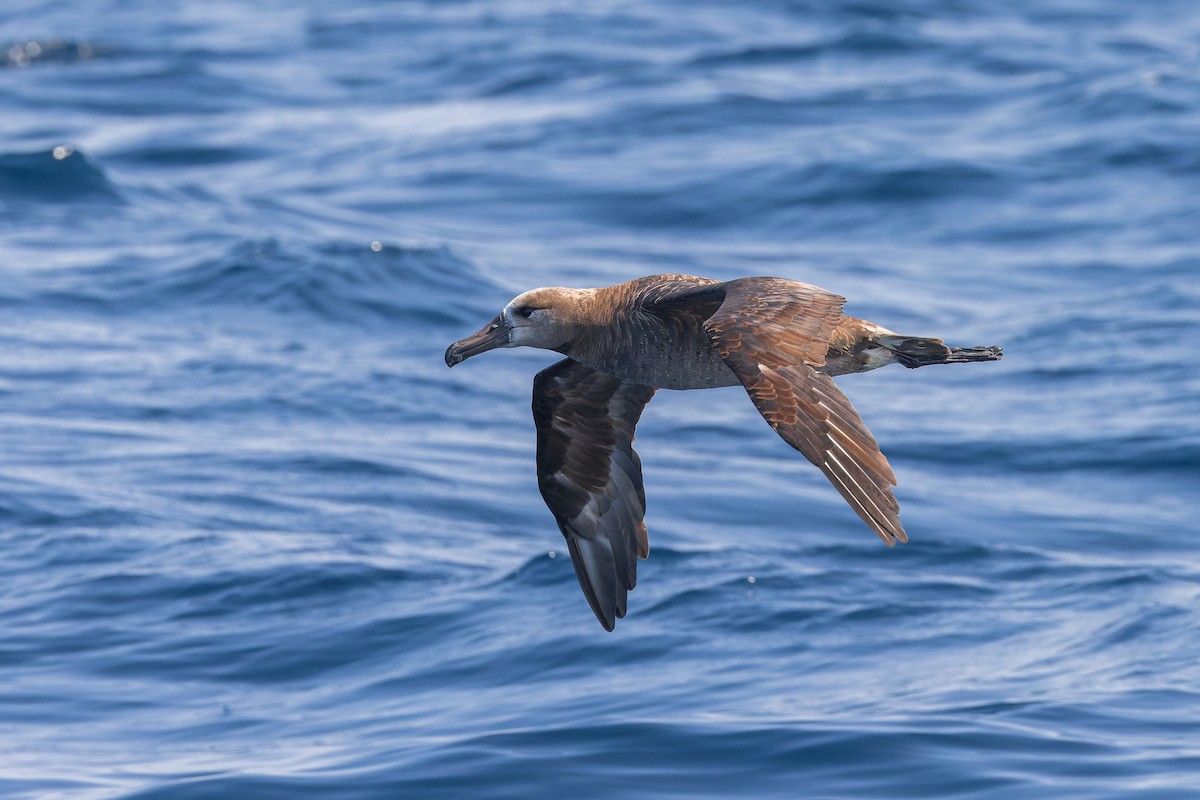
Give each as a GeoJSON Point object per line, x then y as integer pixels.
{"type": "Point", "coordinates": [525, 311]}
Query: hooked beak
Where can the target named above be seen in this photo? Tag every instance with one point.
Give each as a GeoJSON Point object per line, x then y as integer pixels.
{"type": "Point", "coordinates": [489, 337]}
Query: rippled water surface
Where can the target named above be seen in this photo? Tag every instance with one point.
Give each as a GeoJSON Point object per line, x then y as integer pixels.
{"type": "Point", "coordinates": [256, 541]}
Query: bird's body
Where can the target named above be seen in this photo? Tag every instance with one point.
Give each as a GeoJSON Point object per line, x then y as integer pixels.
{"type": "Point", "coordinates": [780, 339]}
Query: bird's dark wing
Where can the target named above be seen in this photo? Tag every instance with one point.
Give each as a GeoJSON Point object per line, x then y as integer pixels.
{"type": "Point", "coordinates": [773, 334]}
{"type": "Point", "coordinates": [591, 478]}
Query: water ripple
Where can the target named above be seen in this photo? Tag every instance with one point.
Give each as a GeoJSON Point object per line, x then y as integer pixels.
{"type": "Point", "coordinates": [257, 541]}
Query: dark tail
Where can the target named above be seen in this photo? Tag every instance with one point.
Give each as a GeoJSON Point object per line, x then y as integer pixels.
{"type": "Point", "coordinates": [914, 351]}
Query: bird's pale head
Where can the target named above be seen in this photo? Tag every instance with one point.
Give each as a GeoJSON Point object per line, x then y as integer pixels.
{"type": "Point", "coordinates": [546, 318]}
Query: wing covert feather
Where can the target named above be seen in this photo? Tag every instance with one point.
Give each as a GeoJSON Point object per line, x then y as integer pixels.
{"type": "Point", "coordinates": [776, 322]}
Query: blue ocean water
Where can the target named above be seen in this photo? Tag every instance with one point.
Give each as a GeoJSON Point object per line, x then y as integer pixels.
{"type": "Point", "coordinates": [256, 541]}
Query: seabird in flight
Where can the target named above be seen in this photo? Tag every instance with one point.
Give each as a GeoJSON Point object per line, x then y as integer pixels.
{"type": "Point", "coordinates": [780, 339]}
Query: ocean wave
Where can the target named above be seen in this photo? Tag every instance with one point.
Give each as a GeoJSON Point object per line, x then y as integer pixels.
{"type": "Point", "coordinates": [771, 196]}
{"type": "Point", "coordinates": [358, 285]}
{"type": "Point", "coordinates": [851, 43]}
{"type": "Point", "coordinates": [61, 174]}
{"type": "Point", "coordinates": [257, 541]}
{"type": "Point", "coordinates": [691, 758]}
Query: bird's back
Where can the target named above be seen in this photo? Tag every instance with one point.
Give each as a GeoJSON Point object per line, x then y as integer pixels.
{"type": "Point", "coordinates": [651, 331]}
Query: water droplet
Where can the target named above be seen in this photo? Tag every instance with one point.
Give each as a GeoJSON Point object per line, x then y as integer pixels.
{"type": "Point", "coordinates": [376, 246]}
{"type": "Point", "coordinates": [33, 49]}
{"type": "Point", "coordinates": [751, 579]}
{"type": "Point", "coordinates": [63, 151]}
{"type": "Point", "coordinates": [552, 554]}
{"type": "Point", "coordinates": [16, 55]}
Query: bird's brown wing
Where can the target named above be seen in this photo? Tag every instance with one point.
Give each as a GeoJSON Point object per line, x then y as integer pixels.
{"type": "Point", "coordinates": [591, 478]}
{"type": "Point", "coordinates": [773, 334]}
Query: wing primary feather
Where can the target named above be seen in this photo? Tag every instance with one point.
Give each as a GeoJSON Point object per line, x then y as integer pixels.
{"type": "Point", "coordinates": [604, 611]}
{"type": "Point", "coordinates": [774, 334]}
{"type": "Point", "coordinates": [591, 478]}
{"type": "Point", "coordinates": [864, 503]}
